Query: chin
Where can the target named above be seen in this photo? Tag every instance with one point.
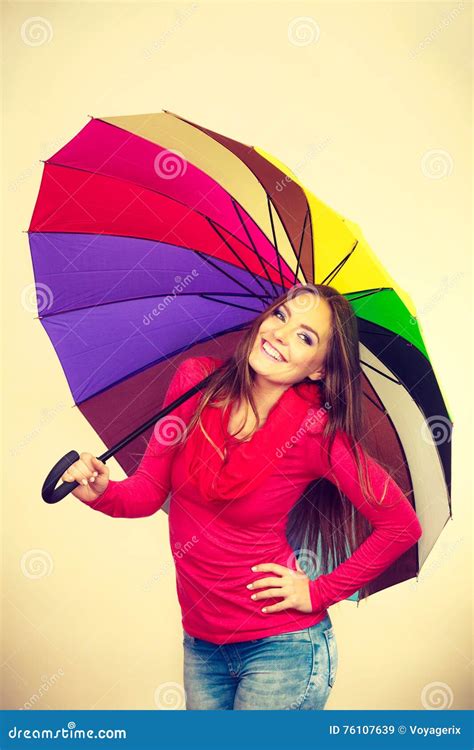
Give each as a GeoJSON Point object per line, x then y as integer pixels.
{"type": "Point", "coordinates": [257, 364]}
{"type": "Point", "coordinates": [260, 364]}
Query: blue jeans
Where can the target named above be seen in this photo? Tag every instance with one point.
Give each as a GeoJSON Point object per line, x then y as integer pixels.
{"type": "Point", "coordinates": [291, 671]}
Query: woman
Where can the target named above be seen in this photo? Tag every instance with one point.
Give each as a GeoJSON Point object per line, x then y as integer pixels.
{"type": "Point", "coordinates": [281, 416]}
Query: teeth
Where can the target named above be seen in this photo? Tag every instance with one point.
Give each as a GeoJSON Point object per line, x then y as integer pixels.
{"type": "Point", "coordinates": [272, 352]}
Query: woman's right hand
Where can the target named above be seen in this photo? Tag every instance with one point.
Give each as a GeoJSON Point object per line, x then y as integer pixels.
{"type": "Point", "coordinates": [92, 475]}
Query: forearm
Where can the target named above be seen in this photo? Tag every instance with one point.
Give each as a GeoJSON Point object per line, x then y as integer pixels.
{"type": "Point", "coordinates": [395, 523]}
{"type": "Point", "coordinates": [369, 560]}
{"type": "Point", "coordinates": [138, 496]}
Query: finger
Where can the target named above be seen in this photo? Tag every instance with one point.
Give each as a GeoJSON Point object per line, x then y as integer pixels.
{"type": "Point", "coordinates": [268, 593]}
{"type": "Point", "coordinates": [99, 466]}
{"type": "Point", "coordinates": [84, 468]}
{"type": "Point", "coordinates": [76, 474]}
{"type": "Point", "coordinates": [73, 474]}
{"type": "Point", "coordinates": [269, 581]}
{"type": "Point", "coordinates": [68, 476]}
{"type": "Point", "coordinates": [271, 568]}
{"type": "Point", "coordinates": [85, 471]}
{"type": "Point", "coordinates": [277, 607]}
{"type": "Point", "coordinates": [87, 459]}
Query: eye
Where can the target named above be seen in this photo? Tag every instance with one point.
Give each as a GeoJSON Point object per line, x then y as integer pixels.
{"type": "Point", "coordinates": [307, 339]}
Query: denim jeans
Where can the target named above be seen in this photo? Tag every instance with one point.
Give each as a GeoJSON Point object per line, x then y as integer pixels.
{"type": "Point", "coordinates": [291, 671]}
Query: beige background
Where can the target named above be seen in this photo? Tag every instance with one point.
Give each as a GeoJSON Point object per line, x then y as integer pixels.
{"type": "Point", "coordinates": [369, 103]}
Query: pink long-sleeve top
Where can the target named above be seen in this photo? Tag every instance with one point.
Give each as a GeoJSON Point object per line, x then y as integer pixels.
{"type": "Point", "coordinates": [215, 544]}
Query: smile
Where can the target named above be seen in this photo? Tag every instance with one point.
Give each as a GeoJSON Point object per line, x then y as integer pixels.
{"type": "Point", "coordinates": [271, 352]}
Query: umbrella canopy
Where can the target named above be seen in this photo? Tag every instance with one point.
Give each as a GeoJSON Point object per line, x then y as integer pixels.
{"type": "Point", "coordinates": [158, 239]}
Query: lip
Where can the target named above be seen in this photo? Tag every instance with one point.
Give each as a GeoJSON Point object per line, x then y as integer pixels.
{"type": "Point", "coordinates": [269, 342]}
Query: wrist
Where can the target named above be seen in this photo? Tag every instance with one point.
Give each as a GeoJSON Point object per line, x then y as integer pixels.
{"type": "Point", "coordinates": [317, 600]}
{"type": "Point", "coordinates": [98, 499]}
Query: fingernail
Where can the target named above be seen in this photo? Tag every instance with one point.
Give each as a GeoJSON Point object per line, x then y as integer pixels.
{"type": "Point", "coordinates": [92, 479]}
{"type": "Point", "coordinates": [84, 481]}
{"type": "Point", "coordinates": [250, 585]}
{"type": "Point", "coordinates": [264, 609]}
{"type": "Point", "coordinates": [254, 596]}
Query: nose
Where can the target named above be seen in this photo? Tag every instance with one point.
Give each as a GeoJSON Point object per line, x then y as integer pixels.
{"type": "Point", "coordinates": [280, 337]}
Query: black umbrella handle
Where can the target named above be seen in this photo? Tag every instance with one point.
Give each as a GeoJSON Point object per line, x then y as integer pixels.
{"type": "Point", "coordinates": [52, 494]}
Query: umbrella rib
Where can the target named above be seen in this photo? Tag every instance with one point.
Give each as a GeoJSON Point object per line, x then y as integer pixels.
{"type": "Point", "coordinates": [311, 237]}
{"type": "Point", "coordinates": [224, 302]}
{"type": "Point", "coordinates": [164, 358]}
{"type": "Point", "coordinates": [251, 170]}
{"type": "Point", "coordinates": [275, 243]}
{"type": "Point", "coordinates": [153, 190]}
{"type": "Point", "coordinates": [402, 451]}
{"type": "Point", "coordinates": [383, 374]}
{"type": "Point", "coordinates": [368, 292]}
{"type": "Point", "coordinates": [234, 252]}
{"type": "Point", "coordinates": [329, 278]}
{"type": "Point", "coordinates": [145, 296]}
{"type": "Point", "coordinates": [198, 252]}
{"type": "Point", "coordinates": [379, 408]}
{"type": "Point", "coordinates": [301, 246]}
{"type": "Point", "coordinates": [253, 245]}
{"type": "Point", "coordinates": [207, 260]}
{"type": "Point", "coordinates": [375, 333]}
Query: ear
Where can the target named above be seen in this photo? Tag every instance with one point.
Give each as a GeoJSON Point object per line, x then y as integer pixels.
{"type": "Point", "coordinates": [317, 374]}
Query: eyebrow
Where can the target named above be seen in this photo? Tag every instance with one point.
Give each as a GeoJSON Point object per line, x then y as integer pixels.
{"type": "Point", "coordinates": [308, 328]}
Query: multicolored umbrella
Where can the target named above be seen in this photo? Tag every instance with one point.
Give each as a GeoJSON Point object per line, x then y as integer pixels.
{"type": "Point", "coordinates": [154, 239]}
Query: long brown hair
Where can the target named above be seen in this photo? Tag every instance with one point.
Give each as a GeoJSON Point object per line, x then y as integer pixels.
{"type": "Point", "coordinates": [323, 527]}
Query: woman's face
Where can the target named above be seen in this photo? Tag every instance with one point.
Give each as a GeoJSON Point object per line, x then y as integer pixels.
{"type": "Point", "coordinates": [292, 341]}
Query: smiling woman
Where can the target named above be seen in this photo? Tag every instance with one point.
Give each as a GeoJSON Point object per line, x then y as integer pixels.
{"type": "Point", "coordinates": [256, 629]}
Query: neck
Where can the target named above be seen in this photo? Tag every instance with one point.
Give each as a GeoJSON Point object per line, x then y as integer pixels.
{"type": "Point", "coordinates": [266, 393]}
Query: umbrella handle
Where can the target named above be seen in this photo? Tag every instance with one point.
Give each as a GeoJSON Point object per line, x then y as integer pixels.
{"type": "Point", "coordinates": [52, 494]}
